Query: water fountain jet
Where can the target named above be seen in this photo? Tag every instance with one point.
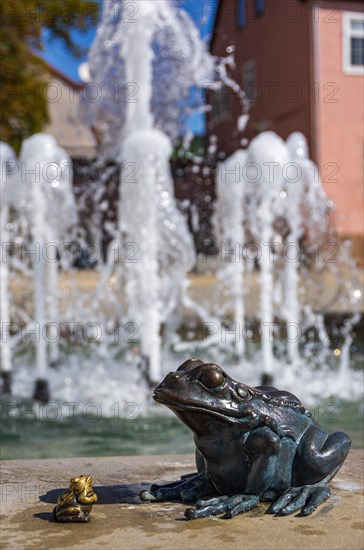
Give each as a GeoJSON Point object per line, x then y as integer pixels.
{"type": "Point", "coordinates": [161, 35]}
{"type": "Point", "coordinates": [271, 193]}
{"type": "Point", "coordinates": [159, 57]}
{"type": "Point", "coordinates": [52, 212]}
{"type": "Point", "coordinates": [7, 157]}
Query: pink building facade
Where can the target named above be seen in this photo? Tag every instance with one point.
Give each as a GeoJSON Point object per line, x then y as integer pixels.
{"type": "Point", "coordinates": [301, 65]}
{"type": "Point", "coordinates": [339, 113]}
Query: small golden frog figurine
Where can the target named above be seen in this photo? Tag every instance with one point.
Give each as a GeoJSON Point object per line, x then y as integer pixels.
{"type": "Point", "coordinates": [76, 503]}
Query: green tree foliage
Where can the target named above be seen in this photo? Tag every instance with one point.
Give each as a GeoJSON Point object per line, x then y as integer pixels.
{"type": "Point", "coordinates": [23, 74]}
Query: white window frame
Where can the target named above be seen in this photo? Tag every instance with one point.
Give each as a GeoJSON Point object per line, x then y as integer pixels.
{"type": "Point", "coordinates": [347, 34]}
{"type": "Point", "coordinates": [221, 109]}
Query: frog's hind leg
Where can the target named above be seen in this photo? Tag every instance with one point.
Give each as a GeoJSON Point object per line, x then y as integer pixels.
{"type": "Point", "coordinates": [306, 499]}
{"type": "Point", "coordinates": [319, 456]}
{"type": "Point", "coordinates": [318, 496]}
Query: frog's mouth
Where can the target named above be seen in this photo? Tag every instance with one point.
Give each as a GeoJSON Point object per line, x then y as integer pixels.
{"type": "Point", "coordinates": [187, 407]}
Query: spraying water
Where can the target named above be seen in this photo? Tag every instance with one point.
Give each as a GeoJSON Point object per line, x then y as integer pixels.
{"type": "Point", "coordinates": [229, 229]}
{"type": "Point", "coordinates": [267, 157]}
{"type": "Point", "coordinates": [52, 212]}
{"type": "Point", "coordinates": [7, 157]}
{"type": "Point", "coordinates": [139, 54]}
{"type": "Point", "coordinates": [143, 66]}
{"type": "Point", "coordinates": [273, 189]}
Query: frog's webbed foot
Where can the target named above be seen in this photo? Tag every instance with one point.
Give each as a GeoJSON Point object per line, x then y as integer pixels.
{"type": "Point", "coordinates": [228, 505]}
{"type": "Point", "coordinates": [188, 489]}
{"type": "Point", "coordinates": [306, 499]}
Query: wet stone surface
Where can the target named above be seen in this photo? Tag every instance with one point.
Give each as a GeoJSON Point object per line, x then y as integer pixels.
{"type": "Point", "coordinates": [29, 491]}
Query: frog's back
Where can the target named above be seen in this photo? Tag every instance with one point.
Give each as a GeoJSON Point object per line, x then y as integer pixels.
{"type": "Point", "coordinates": [275, 393]}
{"type": "Point", "coordinates": [282, 411]}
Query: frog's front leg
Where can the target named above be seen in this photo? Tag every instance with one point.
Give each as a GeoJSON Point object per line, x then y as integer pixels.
{"type": "Point", "coordinates": [263, 446]}
{"type": "Point", "coordinates": [187, 490]}
{"type": "Point", "coordinates": [230, 505]}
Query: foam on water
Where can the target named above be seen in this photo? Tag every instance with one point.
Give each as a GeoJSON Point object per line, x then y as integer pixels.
{"type": "Point", "coordinates": [85, 378]}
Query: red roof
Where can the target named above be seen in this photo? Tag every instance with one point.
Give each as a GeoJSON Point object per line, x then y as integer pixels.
{"type": "Point", "coordinates": [58, 74]}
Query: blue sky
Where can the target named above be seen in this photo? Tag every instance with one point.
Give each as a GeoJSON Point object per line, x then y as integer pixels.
{"type": "Point", "coordinates": [55, 53]}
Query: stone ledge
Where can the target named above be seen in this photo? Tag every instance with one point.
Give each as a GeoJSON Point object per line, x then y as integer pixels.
{"type": "Point", "coordinates": [205, 289]}
{"type": "Point", "coordinates": [29, 490]}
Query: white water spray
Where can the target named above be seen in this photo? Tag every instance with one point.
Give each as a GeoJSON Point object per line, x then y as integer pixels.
{"type": "Point", "coordinates": [52, 212]}
{"type": "Point", "coordinates": [228, 220]}
{"type": "Point", "coordinates": [7, 158]}
{"type": "Point", "coordinates": [267, 156]}
{"type": "Point", "coordinates": [272, 189]}
{"type": "Point", "coordinates": [145, 68]}
{"type": "Point", "coordinates": [148, 214]}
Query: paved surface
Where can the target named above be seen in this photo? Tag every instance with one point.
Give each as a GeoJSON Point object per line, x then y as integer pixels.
{"type": "Point", "coordinates": [29, 490]}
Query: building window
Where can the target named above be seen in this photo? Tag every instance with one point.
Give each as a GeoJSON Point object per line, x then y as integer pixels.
{"type": "Point", "coordinates": [241, 15]}
{"type": "Point", "coordinates": [221, 103]}
{"type": "Point", "coordinates": [241, 11]}
{"type": "Point", "coordinates": [249, 80]}
{"type": "Point", "coordinates": [353, 43]}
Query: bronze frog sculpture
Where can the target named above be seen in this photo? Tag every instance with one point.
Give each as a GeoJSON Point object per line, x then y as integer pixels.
{"type": "Point", "coordinates": [76, 503]}
{"type": "Point", "coordinates": [252, 445]}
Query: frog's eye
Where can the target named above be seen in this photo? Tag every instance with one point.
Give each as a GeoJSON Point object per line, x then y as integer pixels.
{"type": "Point", "coordinates": [243, 392]}
{"type": "Point", "coordinates": [212, 377]}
